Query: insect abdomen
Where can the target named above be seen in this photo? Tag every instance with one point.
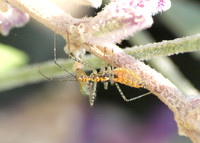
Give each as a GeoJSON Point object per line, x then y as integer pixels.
{"type": "Point", "coordinates": [128, 77]}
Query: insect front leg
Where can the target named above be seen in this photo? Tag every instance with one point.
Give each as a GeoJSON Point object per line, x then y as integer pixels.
{"type": "Point", "coordinates": [92, 96]}
{"type": "Point", "coordinates": [111, 75]}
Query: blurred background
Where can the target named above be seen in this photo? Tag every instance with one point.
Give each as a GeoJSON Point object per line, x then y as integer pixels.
{"type": "Point", "coordinates": [56, 112]}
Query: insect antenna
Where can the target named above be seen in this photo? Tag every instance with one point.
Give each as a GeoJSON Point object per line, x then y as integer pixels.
{"type": "Point", "coordinates": [53, 79]}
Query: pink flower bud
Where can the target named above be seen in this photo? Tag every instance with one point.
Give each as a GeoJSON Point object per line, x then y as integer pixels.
{"type": "Point", "coordinates": [12, 18]}
{"type": "Point", "coordinates": [120, 19]}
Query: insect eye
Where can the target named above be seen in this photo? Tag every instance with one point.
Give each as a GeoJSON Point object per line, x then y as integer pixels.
{"type": "Point", "coordinates": [105, 75]}
{"type": "Point", "coordinates": [144, 85]}
{"type": "Point", "coordinates": [115, 76]}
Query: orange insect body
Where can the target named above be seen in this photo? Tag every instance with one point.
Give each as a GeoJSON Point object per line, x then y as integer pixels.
{"type": "Point", "coordinates": [124, 76]}
{"type": "Point", "coordinates": [82, 77]}
{"type": "Point", "coordinates": [121, 75]}
{"type": "Point", "coordinates": [92, 78]}
{"type": "Point", "coordinates": [128, 77]}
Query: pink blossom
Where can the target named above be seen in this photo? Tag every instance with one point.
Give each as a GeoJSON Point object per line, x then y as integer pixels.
{"type": "Point", "coordinates": [120, 19]}
{"type": "Point", "coordinates": [12, 18]}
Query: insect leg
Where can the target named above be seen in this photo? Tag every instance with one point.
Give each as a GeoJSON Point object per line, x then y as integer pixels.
{"type": "Point", "coordinates": [55, 58]}
{"type": "Point", "coordinates": [112, 69]}
{"type": "Point", "coordinates": [103, 71]}
{"type": "Point", "coordinates": [93, 86]}
{"type": "Point", "coordinates": [55, 61]}
{"type": "Point", "coordinates": [131, 99]}
{"type": "Point", "coordinates": [105, 85]}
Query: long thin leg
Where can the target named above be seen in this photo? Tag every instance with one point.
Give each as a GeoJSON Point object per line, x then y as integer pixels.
{"type": "Point", "coordinates": [103, 71]}
{"type": "Point", "coordinates": [112, 69]}
{"type": "Point", "coordinates": [105, 85]}
{"type": "Point", "coordinates": [110, 74]}
{"type": "Point", "coordinates": [93, 87]}
{"type": "Point", "coordinates": [55, 59]}
{"type": "Point", "coordinates": [131, 99]}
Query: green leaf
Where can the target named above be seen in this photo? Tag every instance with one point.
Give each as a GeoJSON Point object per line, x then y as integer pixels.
{"type": "Point", "coordinates": [11, 58]}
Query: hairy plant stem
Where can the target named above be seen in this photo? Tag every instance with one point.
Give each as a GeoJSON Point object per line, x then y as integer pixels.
{"type": "Point", "coordinates": [165, 48]}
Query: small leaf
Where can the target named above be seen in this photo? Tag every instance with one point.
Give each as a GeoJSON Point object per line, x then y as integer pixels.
{"type": "Point", "coordinates": [11, 58]}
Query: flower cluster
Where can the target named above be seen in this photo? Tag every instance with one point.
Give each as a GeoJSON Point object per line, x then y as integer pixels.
{"type": "Point", "coordinates": [13, 17]}
{"type": "Point", "coordinates": [120, 19]}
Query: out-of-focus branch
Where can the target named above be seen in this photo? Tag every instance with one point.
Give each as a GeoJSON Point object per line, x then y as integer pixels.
{"type": "Point", "coordinates": [165, 48]}
{"type": "Point", "coordinates": [29, 74]}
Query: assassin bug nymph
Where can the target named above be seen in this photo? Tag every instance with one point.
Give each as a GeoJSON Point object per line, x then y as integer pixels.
{"type": "Point", "coordinates": [88, 84]}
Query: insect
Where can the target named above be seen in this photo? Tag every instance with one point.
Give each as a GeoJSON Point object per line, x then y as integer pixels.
{"type": "Point", "coordinates": [88, 84]}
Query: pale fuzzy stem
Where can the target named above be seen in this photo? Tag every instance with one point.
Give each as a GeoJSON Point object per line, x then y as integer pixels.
{"type": "Point", "coordinates": [166, 66]}
{"type": "Point", "coordinates": [93, 3]}
{"type": "Point", "coordinates": [3, 5]}
{"type": "Point", "coordinates": [46, 13]}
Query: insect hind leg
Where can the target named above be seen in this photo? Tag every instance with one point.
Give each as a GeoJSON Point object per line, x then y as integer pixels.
{"type": "Point", "coordinates": [131, 99]}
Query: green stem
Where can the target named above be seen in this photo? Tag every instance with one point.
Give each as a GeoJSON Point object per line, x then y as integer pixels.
{"type": "Point", "coordinates": [166, 66]}
{"type": "Point", "coordinates": [29, 74]}
{"type": "Point", "coordinates": [165, 48]}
